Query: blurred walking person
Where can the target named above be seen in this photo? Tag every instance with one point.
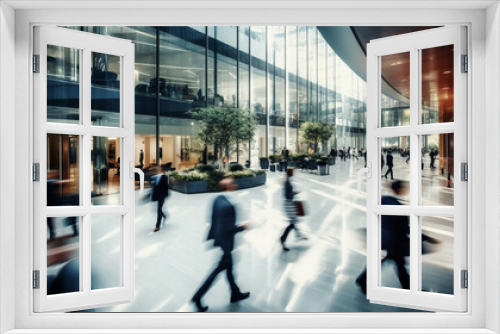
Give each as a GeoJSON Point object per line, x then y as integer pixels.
{"type": "Point", "coordinates": [390, 164]}
{"type": "Point", "coordinates": [290, 209]}
{"type": "Point", "coordinates": [395, 238]}
{"type": "Point", "coordinates": [433, 154]}
{"type": "Point", "coordinates": [222, 231]}
{"type": "Point", "coordinates": [159, 193]}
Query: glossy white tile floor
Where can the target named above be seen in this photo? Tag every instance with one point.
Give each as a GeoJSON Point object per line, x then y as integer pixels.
{"type": "Point", "coordinates": [316, 275]}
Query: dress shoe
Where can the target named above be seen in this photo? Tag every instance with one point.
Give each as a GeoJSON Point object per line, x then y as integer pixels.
{"type": "Point", "coordinates": [362, 285]}
{"type": "Point", "coordinates": [285, 248]}
{"type": "Point", "coordinates": [239, 296]}
{"type": "Point", "coordinates": [156, 229]}
{"type": "Point", "coordinates": [199, 306]}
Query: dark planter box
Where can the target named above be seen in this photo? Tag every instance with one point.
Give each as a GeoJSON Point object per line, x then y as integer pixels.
{"type": "Point", "coordinates": [323, 169]}
{"type": "Point", "coordinates": [264, 164]}
{"type": "Point", "coordinates": [189, 187]}
{"type": "Point", "coordinates": [250, 182]}
{"type": "Point", "coordinates": [272, 167]}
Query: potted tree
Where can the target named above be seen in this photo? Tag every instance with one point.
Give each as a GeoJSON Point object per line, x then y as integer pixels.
{"type": "Point", "coordinates": [315, 133]}
{"type": "Point", "coordinates": [224, 126]}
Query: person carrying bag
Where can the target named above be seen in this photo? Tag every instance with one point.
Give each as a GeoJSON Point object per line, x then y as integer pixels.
{"type": "Point", "coordinates": [293, 209]}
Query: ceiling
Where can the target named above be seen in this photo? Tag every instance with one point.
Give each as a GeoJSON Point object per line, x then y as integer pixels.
{"type": "Point", "coordinates": [437, 64]}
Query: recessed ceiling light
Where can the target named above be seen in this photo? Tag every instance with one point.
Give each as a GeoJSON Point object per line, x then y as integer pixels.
{"type": "Point", "coordinates": [446, 72]}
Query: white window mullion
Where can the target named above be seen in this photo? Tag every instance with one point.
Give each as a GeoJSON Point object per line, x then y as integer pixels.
{"type": "Point", "coordinates": [414, 169]}
{"type": "Point", "coordinates": [86, 98]}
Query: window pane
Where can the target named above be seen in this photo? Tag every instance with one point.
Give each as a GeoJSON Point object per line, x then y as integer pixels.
{"type": "Point", "coordinates": [183, 76]}
{"type": "Point", "coordinates": [292, 93]}
{"type": "Point", "coordinates": [395, 249]}
{"type": "Point", "coordinates": [437, 254]}
{"type": "Point", "coordinates": [302, 72]}
{"type": "Point", "coordinates": [63, 85]}
{"type": "Point", "coordinates": [226, 65]}
{"type": "Point", "coordinates": [276, 89]}
{"type": "Point", "coordinates": [438, 175]}
{"type": "Point", "coordinates": [105, 90]}
{"type": "Point", "coordinates": [63, 248]}
{"type": "Point", "coordinates": [258, 92]}
{"type": "Point", "coordinates": [312, 60]}
{"type": "Point", "coordinates": [105, 252]}
{"type": "Point", "coordinates": [395, 164]}
{"type": "Point", "coordinates": [105, 176]}
{"type": "Point", "coordinates": [63, 172]}
{"type": "Point", "coordinates": [395, 94]}
{"type": "Point", "coordinates": [437, 85]}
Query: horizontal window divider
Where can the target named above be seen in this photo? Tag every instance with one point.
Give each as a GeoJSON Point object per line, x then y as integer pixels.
{"type": "Point", "coordinates": [60, 296]}
{"type": "Point", "coordinates": [67, 129]}
{"type": "Point", "coordinates": [424, 211]}
{"type": "Point", "coordinates": [67, 211]}
{"type": "Point", "coordinates": [437, 128]}
{"type": "Point", "coordinates": [395, 131]}
{"type": "Point", "coordinates": [107, 210]}
{"type": "Point", "coordinates": [99, 131]}
{"type": "Point", "coordinates": [434, 211]}
{"type": "Point", "coordinates": [392, 210]}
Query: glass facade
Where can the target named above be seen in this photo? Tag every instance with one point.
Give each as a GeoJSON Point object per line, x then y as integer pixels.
{"type": "Point", "coordinates": [285, 76]}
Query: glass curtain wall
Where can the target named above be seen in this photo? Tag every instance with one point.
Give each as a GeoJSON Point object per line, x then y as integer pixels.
{"type": "Point", "coordinates": [182, 87]}
{"type": "Point", "coordinates": [276, 89]}
{"type": "Point", "coordinates": [243, 98]}
{"type": "Point", "coordinates": [303, 77]}
{"type": "Point", "coordinates": [258, 92]}
{"type": "Point", "coordinates": [284, 76]}
{"type": "Point", "coordinates": [292, 88]}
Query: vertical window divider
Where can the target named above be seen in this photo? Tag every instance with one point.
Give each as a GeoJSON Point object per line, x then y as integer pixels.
{"type": "Point", "coordinates": [286, 90]}
{"type": "Point", "coordinates": [308, 83]}
{"type": "Point", "coordinates": [237, 86]}
{"type": "Point", "coordinates": [86, 162]}
{"type": "Point", "coordinates": [250, 88]}
{"type": "Point", "coordinates": [267, 93]}
{"type": "Point", "coordinates": [158, 104]}
{"type": "Point", "coordinates": [298, 88]}
{"type": "Point", "coordinates": [414, 171]}
{"type": "Point", "coordinates": [206, 67]}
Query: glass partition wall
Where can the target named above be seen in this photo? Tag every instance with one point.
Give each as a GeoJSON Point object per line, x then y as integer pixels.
{"type": "Point", "coordinates": [285, 76]}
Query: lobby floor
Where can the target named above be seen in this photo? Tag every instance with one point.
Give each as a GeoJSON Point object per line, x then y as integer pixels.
{"type": "Point", "coordinates": [316, 275]}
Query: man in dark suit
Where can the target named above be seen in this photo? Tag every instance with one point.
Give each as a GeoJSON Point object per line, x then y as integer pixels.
{"type": "Point", "coordinates": [159, 193]}
{"type": "Point", "coordinates": [395, 238]}
{"type": "Point", "coordinates": [390, 164]}
{"type": "Point", "coordinates": [222, 232]}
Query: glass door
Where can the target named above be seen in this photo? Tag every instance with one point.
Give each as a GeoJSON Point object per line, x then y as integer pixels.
{"type": "Point", "coordinates": [416, 199]}
{"type": "Point", "coordinates": [83, 116]}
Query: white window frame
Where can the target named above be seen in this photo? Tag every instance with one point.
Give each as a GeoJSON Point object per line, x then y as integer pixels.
{"type": "Point", "coordinates": [85, 44]}
{"type": "Point", "coordinates": [413, 44]}
{"type": "Point", "coordinates": [483, 48]}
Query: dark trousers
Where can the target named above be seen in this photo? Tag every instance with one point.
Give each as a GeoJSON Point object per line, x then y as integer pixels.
{"type": "Point", "coordinates": [290, 227]}
{"type": "Point", "coordinates": [226, 263]}
{"type": "Point", "coordinates": [404, 278]}
{"type": "Point", "coordinates": [159, 212]}
{"type": "Point", "coordinates": [389, 170]}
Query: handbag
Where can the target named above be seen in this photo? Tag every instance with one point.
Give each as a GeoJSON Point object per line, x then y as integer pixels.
{"type": "Point", "coordinates": [299, 206]}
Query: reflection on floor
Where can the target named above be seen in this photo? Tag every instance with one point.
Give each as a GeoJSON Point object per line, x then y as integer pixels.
{"type": "Point", "coordinates": [316, 275]}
